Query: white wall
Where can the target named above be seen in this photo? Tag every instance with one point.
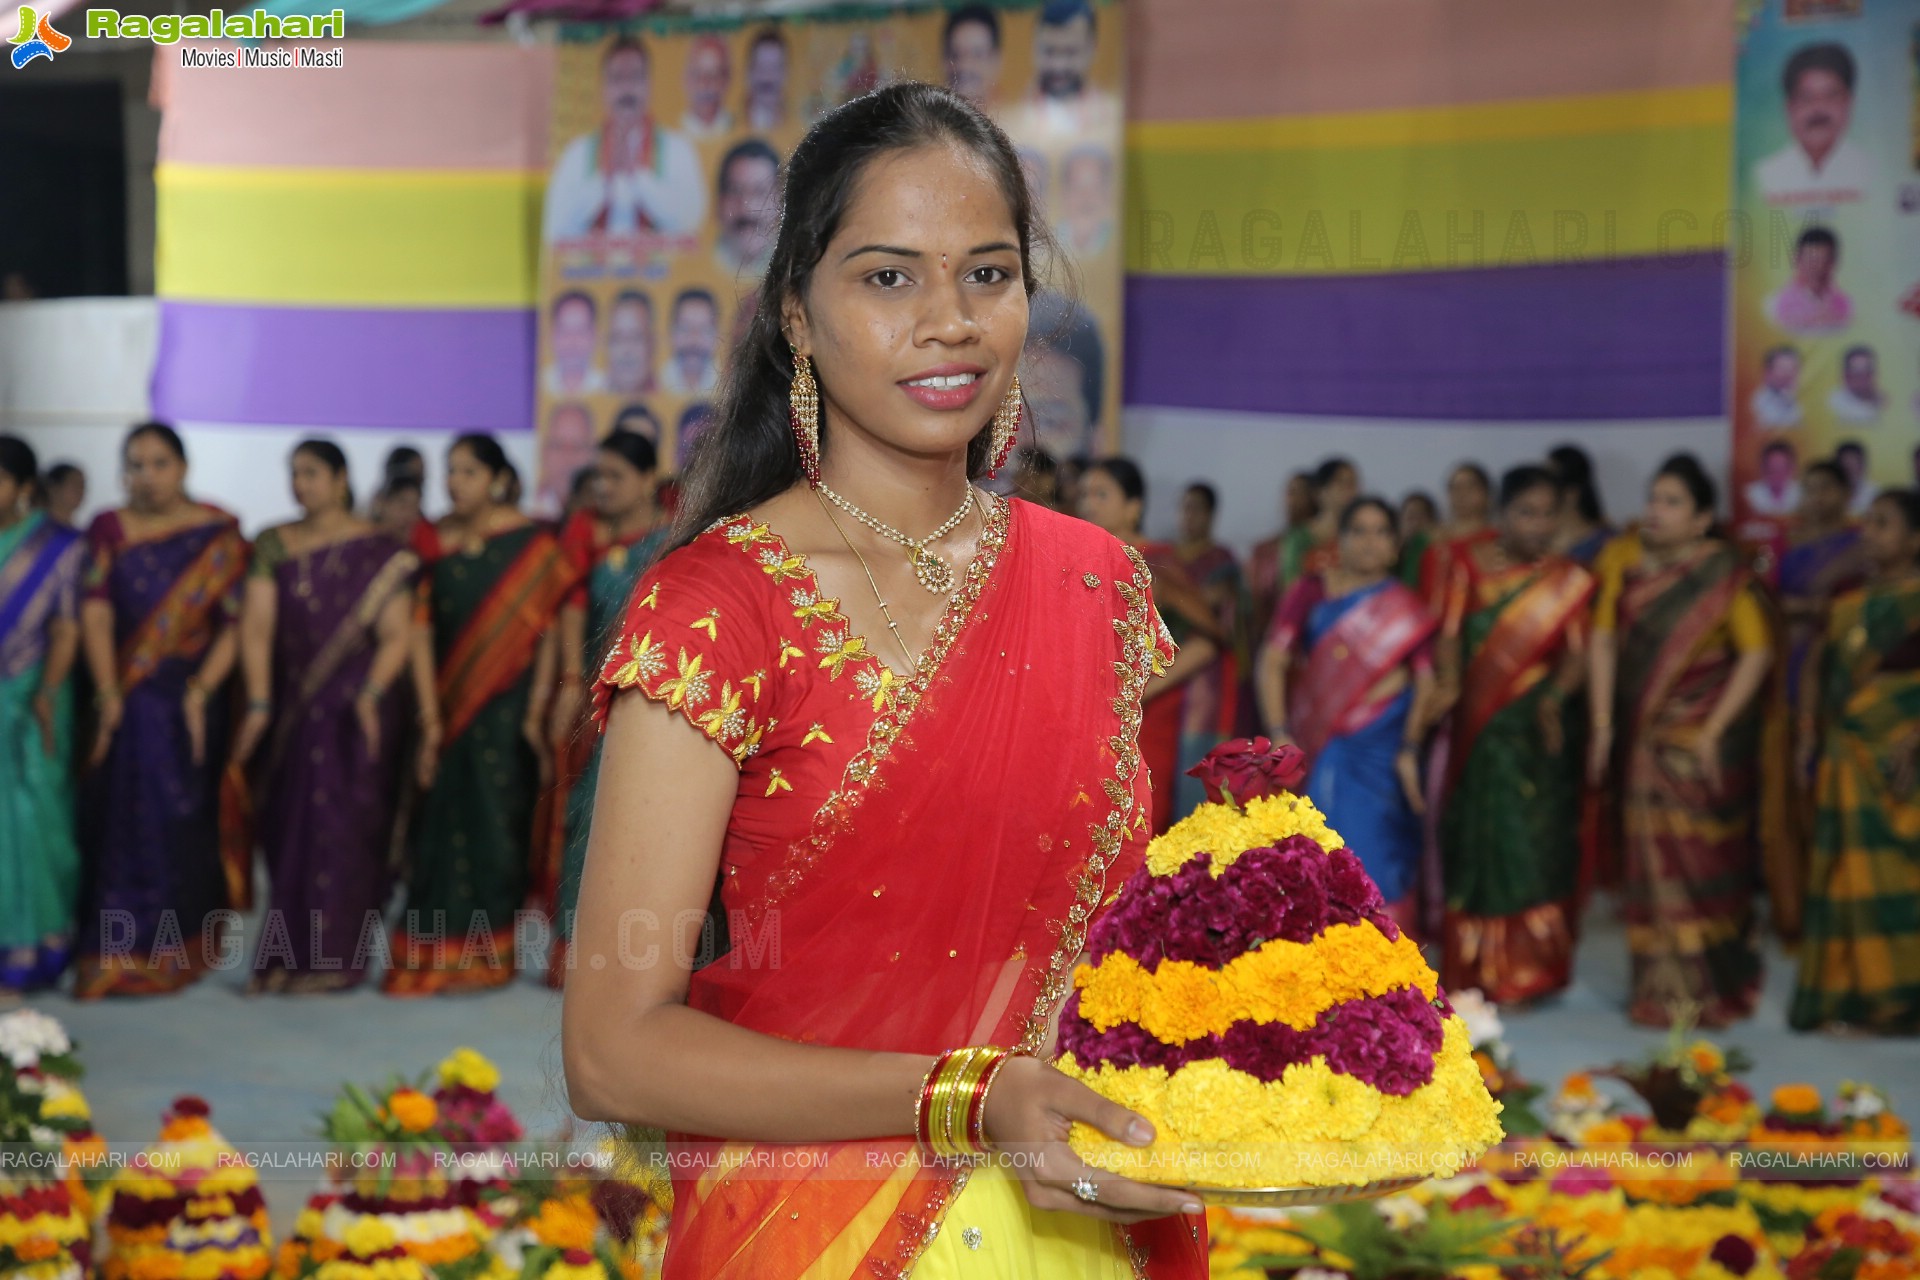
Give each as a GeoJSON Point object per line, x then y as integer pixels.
{"type": "Point", "coordinates": [1248, 456]}
{"type": "Point", "coordinates": [75, 373]}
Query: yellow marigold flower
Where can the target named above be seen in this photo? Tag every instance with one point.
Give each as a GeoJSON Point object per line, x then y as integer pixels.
{"type": "Point", "coordinates": [1312, 1127]}
{"type": "Point", "coordinates": [567, 1223]}
{"type": "Point", "coordinates": [471, 1068]}
{"type": "Point", "coordinates": [1796, 1099]}
{"type": "Point", "coordinates": [1226, 832]}
{"type": "Point", "coordinates": [1278, 981]}
{"type": "Point", "coordinates": [1607, 1133]}
{"type": "Point", "coordinates": [369, 1235]}
{"type": "Point", "coordinates": [1706, 1057]}
{"type": "Point", "coordinates": [415, 1111]}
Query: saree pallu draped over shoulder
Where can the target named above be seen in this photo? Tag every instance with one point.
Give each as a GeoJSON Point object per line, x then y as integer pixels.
{"type": "Point", "coordinates": [488, 610]}
{"type": "Point", "coordinates": [940, 894]}
{"type": "Point", "coordinates": [157, 864]}
{"type": "Point", "coordinates": [1509, 826]}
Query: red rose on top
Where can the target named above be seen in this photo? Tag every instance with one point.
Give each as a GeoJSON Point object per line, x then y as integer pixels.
{"type": "Point", "coordinates": [189, 1105]}
{"type": "Point", "coordinates": [1246, 768]}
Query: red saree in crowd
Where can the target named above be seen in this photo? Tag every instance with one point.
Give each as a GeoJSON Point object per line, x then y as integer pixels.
{"type": "Point", "coordinates": [910, 863]}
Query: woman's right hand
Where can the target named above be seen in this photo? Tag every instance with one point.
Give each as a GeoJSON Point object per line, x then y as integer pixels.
{"type": "Point", "coordinates": [252, 730]}
{"type": "Point", "coordinates": [564, 718]}
{"type": "Point", "coordinates": [1031, 1108]}
{"type": "Point", "coordinates": [111, 709]}
{"type": "Point", "coordinates": [428, 766]}
{"type": "Point", "coordinates": [1599, 753]}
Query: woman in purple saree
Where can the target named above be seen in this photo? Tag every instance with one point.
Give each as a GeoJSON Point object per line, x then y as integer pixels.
{"type": "Point", "coordinates": [323, 636]}
{"type": "Point", "coordinates": [162, 594]}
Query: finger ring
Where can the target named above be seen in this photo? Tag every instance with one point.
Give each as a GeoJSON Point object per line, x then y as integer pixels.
{"type": "Point", "coordinates": [1087, 1189]}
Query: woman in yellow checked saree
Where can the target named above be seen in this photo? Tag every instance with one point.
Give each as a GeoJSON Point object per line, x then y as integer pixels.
{"type": "Point", "coordinates": [1860, 957]}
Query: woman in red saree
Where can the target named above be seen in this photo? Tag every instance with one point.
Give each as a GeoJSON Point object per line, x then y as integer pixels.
{"type": "Point", "coordinates": [905, 776]}
{"type": "Point", "coordinates": [483, 668]}
{"type": "Point", "coordinates": [1469, 524]}
{"type": "Point", "coordinates": [1113, 495]}
{"type": "Point", "coordinates": [1347, 675]}
{"type": "Point", "coordinates": [1681, 647]}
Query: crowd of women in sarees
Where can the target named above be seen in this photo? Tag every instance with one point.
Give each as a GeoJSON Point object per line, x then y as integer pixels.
{"type": "Point", "coordinates": [360, 709]}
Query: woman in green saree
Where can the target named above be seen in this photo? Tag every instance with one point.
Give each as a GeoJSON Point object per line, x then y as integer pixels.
{"type": "Point", "coordinates": [1513, 649]}
{"type": "Point", "coordinates": [41, 561]}
{"type": "Point", "coordinates": [1860, 955]}
{"type": "Point", "coordinates": [494, 581]}
{"type": "Point", "coordinates": [611, 542]}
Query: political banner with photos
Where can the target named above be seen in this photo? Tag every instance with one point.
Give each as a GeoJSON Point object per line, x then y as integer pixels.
{"type": "Point", "coordinates": [1825, 253]}
{"type": "Point", "coordinates": [662, 201]}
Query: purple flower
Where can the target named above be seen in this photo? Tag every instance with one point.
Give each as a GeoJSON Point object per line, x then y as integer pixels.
{"type": "Point", "coordinates": [1735, 1254]}
{"type": "Point", "coordinates": [1386, 1041]}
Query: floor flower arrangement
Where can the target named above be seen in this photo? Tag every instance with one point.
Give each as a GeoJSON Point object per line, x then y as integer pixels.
{"type": "Point", "coordinates": [423, 1182]}
{"type": "Point", "coordinates": [187, 1209]}
{"type": "Point", "coordinates": [45, 1206]}
{"type": "Point", "coordinates": [1692, 1178]}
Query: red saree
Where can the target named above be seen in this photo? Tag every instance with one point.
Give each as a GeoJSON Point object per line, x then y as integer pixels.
{"type": "Point", "coordinates": [1331, 696]}
{"type": "Point", "coordinates": [924, 853]}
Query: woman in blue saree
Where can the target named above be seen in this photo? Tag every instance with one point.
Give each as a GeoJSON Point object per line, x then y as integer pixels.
{"type": "Point", "coordinates": [162, 597]}
{"type": "Point", "coordinates": [1348, 675]}
{"type": "Point", "coordinates": [40, 565]}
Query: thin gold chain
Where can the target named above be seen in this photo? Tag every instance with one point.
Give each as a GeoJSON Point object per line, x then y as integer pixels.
{"type": "Point", "coordinates": [913, 663]}
{"type": "Point", "coordinates": [887, 531]}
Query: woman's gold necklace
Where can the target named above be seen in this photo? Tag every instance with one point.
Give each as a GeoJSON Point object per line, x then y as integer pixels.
{"type": "Point", "coordinates": [932, 572]}
{"type": "Point", "coordinates": [913, 663]}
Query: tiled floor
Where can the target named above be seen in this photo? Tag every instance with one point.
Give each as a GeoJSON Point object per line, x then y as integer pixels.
{"type": "Point", "coordinates": [270, 1064]}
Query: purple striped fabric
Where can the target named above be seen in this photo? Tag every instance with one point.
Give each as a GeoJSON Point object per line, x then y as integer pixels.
{"type": "Point", "coordinates": [456, 370]}
{"type": "Point", "coordinates": [1624, 338]}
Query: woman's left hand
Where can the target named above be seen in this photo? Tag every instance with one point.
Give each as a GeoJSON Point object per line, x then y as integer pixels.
{"type": "Point", "coordinates": [1706, 754]}
{"type": "Point", "coordinates": [1553, 733]}
{"type": "Point", "coordinates": [1901, 774]}
{"type": "Point", "coordinates": [534, 730]}
{"type": "Point", "coordinates": [43, 716]}
{"type": "Point", "coordinates": [193, 708]}
{"type": "Point", "coordinates": [1407, 765]}
{"type": "Point", "coordinates": [366, 709]}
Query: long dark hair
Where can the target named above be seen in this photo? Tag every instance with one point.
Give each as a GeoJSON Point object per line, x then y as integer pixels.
{"type": "Point", "coordinates": [748, 455]}
{"type": "Point", "coordinates": [638, 451]}
{"type": "Point", "coordinates": [1574, 469]}
{"type": "Point", "coordinates": [486, 451]}
{"type": "Point", "coordinates": [17, 460]}
{"type": "Point", "coordinates": [160, 431]}
{"type": "Point", "coordinates": [1693, 477]}
{"type": "Point", "coordinates": [328, 454]}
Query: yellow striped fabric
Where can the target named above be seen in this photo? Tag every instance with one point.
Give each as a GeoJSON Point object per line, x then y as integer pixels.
{"type": "Point", "coordinates": [1503, 184]}
{"type": "Point", "coordinates": [348, 237]}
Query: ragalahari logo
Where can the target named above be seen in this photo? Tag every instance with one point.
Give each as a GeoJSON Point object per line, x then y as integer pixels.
{"type": "Point", "coordinates": [36, 38]}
